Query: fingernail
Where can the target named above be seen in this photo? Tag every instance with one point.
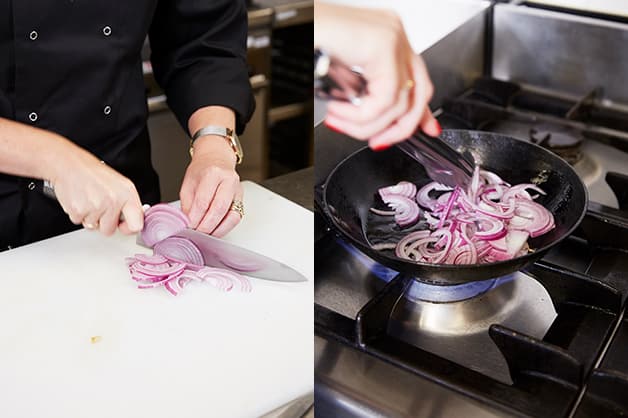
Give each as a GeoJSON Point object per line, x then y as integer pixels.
{"type": "Point", "coordinates": [380, 147]}
{"type": "Point", "coordinates": [331, 127]}
{"type": "Point", "coordinates": [440, 129]}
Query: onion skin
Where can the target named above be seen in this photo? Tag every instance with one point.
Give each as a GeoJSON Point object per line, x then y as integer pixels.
{"type": "Point", "coordinates": [489, 222]}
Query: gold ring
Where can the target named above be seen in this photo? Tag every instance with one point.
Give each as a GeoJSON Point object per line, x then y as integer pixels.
{"type": "Point", "coordinates": [238, 206]}
{"type": "Point", "coordinates": [409, 84]}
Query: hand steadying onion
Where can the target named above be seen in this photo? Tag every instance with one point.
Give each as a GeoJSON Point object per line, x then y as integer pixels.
{"type": "Point", "coordinates": [491, 221]}
{"type": "Point", "coordinates": [176, 261]}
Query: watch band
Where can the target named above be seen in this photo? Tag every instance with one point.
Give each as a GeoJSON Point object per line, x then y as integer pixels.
{"type": "Point", "coordinates": [226, 133]}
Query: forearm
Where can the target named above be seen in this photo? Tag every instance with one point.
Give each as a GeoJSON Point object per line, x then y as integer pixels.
{"type": "Point", "coordinates": [32, 152]}
{"type": "Point", "coordinates": [211, 144]}
{"type": "Point", "coordinates": [332, 23]}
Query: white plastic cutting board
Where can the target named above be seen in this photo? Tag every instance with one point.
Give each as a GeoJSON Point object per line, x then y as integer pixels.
{"type": "Point", "coordinates": [202, 354]}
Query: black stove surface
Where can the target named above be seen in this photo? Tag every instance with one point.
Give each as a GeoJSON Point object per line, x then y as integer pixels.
{"type": "Point", "coordinates": [577, 368]}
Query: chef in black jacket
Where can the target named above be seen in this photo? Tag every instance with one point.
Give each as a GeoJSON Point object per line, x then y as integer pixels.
{"type": "Point", "coordinates": [73, 111]}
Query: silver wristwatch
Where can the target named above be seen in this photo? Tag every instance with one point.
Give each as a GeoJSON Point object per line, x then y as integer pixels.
{"type": "Point", "coordinates": [226, 133]}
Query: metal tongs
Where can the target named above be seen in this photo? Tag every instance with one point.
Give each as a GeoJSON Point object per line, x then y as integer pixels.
{"type": "Point", "coordinates": [334, 80]}
{"type": "Point", "coordinates": [442, 163]}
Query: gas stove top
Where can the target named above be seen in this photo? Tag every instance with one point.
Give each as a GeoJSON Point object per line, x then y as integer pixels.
{"type": "Point", "coordinates": [546, 341]}
{"type": "Point", "coordinates": [537, 342]}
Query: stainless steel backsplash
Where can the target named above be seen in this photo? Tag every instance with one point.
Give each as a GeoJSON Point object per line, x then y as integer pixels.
{"type": "Point", "coordinates": [561, 52]}
{"type": "Point", "coordinates": [457, 59]}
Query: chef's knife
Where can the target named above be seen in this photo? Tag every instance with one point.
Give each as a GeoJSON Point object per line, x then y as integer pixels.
{"type": "Point", "coordinates": [334, 80]}
{"type": "Point", "coordinates": [219, 253]}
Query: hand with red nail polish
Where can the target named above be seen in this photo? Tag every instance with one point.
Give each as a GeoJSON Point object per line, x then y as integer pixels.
{"type": "Point", "coordinates": [399, 87]}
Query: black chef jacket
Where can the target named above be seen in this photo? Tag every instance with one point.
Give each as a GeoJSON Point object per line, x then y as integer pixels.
{"type": "Point", "coordinates": [74, 67]}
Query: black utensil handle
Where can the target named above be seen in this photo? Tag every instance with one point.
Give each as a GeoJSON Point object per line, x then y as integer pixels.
{"type": "Point", "coordinates": [436, 146]}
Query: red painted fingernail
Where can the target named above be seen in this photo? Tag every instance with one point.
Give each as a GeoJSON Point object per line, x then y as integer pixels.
{"type": "Point", "coordinates": [332, 127]}
{"type": "Point", "coordinates": [440, 129]}
{"type": "Point", "coordinates": [380, 147]}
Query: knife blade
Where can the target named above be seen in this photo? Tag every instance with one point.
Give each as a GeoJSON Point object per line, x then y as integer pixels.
{"type": "Point", "coordinates": [220, 253]}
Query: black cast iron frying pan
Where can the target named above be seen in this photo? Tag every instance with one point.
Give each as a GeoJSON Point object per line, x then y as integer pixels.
{"type": "Point", "coordinates": [351, 189]}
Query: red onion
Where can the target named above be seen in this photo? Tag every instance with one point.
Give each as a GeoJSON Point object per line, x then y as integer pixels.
{"type": "Point", "coordinates": [490, 222]}
{"type": "Point", "coordinates": [179, 248]}
{"type": "Point", "coordinates": [153, 272]}
{"type": "Point", "coordinates": [406, 210]}
{"type": "Point", "coordinates": [403, 188]}
{"type": "Point", "coordinates": [162, 221]}
{"type": "Point", "coordinates": [383, 212]}
{"type": "Point", "coordinates": [423, 196]}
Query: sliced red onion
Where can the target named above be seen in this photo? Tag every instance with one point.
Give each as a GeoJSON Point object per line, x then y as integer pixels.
{"type": "Point", "coordinates": [406, 210]}
{"type": "Point", "coordinates": [382, 212]}
{"type": "Point", "coordinates": [519, 191]}
{"type": "Point", "coordinates": [450, 204]}
{"type": "Point", "coordinates": [403, 188]}
{"type": "Point", "coordinates": [490, 228]}
{"type": "Point", "coordinates": [474, 186]}
{"type": "Point", "coordinates": [423, 196]}
{"type": "Point", "coordinates": [515, 242]}
{"type": "Point", "coordinates": [492, 178]}
{"type": "Point", "coordinates": [164, 269]}
{"type": "Point", "coordinates": [491, 222]}
{"type": "Point", "coordinates": [542, 219]}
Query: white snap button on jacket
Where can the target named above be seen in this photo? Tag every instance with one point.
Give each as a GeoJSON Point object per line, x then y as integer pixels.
{"type": "Point", "coordinates": [107, 110]}
{"type": "Point", "coordinates": [33, 116]}
{"type": "Point", "coordinates": [106, 30]}
{"type": "Point", "coordinates": [33, 35]}
{"type": "Point", "coordinates": [31, 186]}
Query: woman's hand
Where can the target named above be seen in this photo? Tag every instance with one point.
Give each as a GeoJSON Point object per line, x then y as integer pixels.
{"type": "Point", "coordinates": [399, 87]}
{"type": "Point", "coordinates": [95, 195]}
{"type": "Point", "coordinates": [211, 184]}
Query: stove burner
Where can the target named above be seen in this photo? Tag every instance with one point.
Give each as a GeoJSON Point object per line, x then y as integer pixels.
{"type": "Point", "coordinates": [426, 292]}
{"type": "Point", "coordinates": [458, 328]}
{"type": "Point", "coordinates": [422, 291]}
{"type": "Point", "coordinates": [562, 140]}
